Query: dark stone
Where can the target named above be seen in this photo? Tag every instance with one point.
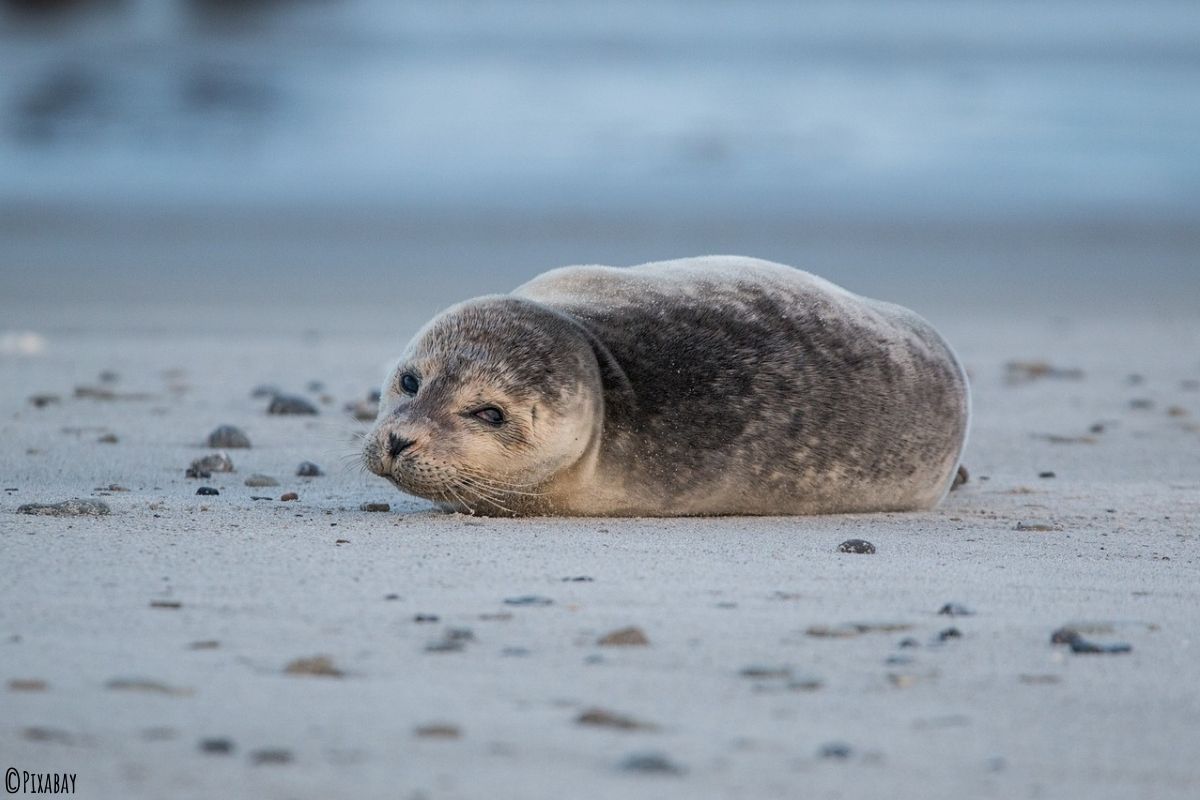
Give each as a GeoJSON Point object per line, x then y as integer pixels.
{"type": "Point", "coordinates": [1046, 474]}
{"type": "Point", "coordinates": [955, 610]}
{"type": "Point", "coordinates": [290, 404]}
{"type": "Point", "coordinates": [650, 763]}
{"type": "Point", "coordinates": [308, 469]}
{"type": "Point", "coordinates": [426, 618]}
{"type": "Point", "coordinates": [207, 491]}
{"type": "Point", "coordinates": [271, 756]}
{"type": "Point", "coordinates": [949, 633]}
{"type": "Point", "coordinates": [528, 600]}
{"type": "Point", "coordinates": [856, 546]}
{"type": "Point", "coordinates": [227, 436]}
{"type": "Point", "coordinates": [578, 579]}
{"type": "Point", "coordinates": [375, 507]}
{"type": "Point", "coordinates": [217, 747]}
{"type": "Point", "coordinates": [837, 750]}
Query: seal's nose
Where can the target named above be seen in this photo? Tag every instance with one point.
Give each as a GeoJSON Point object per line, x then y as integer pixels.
{"type": "Point", "coordinates": [396, 445]}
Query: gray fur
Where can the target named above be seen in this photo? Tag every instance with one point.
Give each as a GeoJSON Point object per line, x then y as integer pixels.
{"type": "Point", "coordinates": [719, 385]}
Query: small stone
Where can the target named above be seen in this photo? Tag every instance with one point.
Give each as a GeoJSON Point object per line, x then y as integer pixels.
{"type": "Point", "coordinates": [759, 671]}
{"type": "Point", "coordinates": [422, 618]}
{"type": "Point", "coordinates": [856, 546]}
{"type": "Point", "coordinates": [108, 376]}
{"type": "Point", "coordinates": [145, 685]}
{"type": "Point", "coordinates": [955, 610]}
{"type": "Point", "coordinates": [192, 472]}
{"type": "Point", "coordinates": [650, 764]}
{"type": "Point", "coordinates": [1036, 525]}
{"type": "Point", "coordinates": [67, 508]}
{"type": "Point", "coordinates": [1141, 404]}
{"type": "Point", "coordinates": [375, 507]}
{"type": "Point", "coordinates": [949, 633]}
{"type": "Point", "coordinates": [445, 646]}
{"type": "Point", "coordinates": [217, 747]}
{"type": "Point", "coordinates": [260, 497]}
{"type": "Point", "coordinates": [289, 496]}
{"type": "Point", "coordinates": [624, 637]}
{"type": "Point", "coordinates": [227, 436]}
{"type": "Point", "coordinates": [216, 462]}
{"type": "Point", "coordinates": [269, 756]}
{"type": "Point", "coordinates": [320, 666]}
{"type": "Point", "coordinates": [363, 410]}
{"type": "Point", "coordinates": [391, 596]}
{"type": "Point", "coordinates": [290, 404]}
{"type": "Point", "coordinates": [1177, 411]}
{"type": "Point", "coordinates": [308, 469]}
{"type": "Point", "coordinates": [258, 481]}
{"type": "Point", "coordinates": [459, 635]}
{"type": "Point", "coordinates": [1064, 636]}
{"type": "Point", "coordinates": [207, 491]}
{"type": "Point", "coordinates": [27, 685]}
{"type": "Point", "coordinates": [908, 641]}
{"type": "Point", "coordinates": [835, 750]}
{"type": "Point", "coordinates": [204, 644]}
{"type": "Point", "coordinates": [578, 579]}
{"type": "Point", "coordinates": [601, 718]}
{"type": "Point", "coordinates": [316, 387]}
{"type": "Point", "coordinates": [1046, 474]}
{"type": "Point", "coordinates": [438, 730]}
{"type": "Point", "coordinates": [528, 600]}
{"type": "Point", "coordinates": [960, 477]}
{"type": "Point", "coordinates": [265, 390]}
{"type": "Point", "coordinates": [170, 604]}
{"type": "Point", "coordinates": [515, 652]}
{"type": "Point", "coordinates": [1078, 644]}
{"type": "Point", "coordinates": [108, 438]}
{"type": "Point", "coordinates": [43, 400]}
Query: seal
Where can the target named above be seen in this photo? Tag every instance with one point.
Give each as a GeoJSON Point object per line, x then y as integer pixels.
{"type": "Point", "coordinates": [706, 386]}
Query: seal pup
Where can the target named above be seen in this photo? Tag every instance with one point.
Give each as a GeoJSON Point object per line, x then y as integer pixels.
{"type": "Point", "coordinates": [702, 386]}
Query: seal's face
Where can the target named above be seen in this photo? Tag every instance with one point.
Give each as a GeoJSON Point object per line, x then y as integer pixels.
{"type": "Point", "coordinates": [490, 403]}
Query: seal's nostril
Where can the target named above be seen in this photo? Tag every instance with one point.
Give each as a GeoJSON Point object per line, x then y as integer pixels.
{"type": "Point", "coordinates": [396, 445]}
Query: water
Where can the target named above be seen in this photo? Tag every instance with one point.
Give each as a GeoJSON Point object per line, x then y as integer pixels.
{"type": "Point", "coordinates": [142, 137]}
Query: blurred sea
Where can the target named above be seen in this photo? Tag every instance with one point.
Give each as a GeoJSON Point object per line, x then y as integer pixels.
{"type": "Point", "coordinates": [211, 151]}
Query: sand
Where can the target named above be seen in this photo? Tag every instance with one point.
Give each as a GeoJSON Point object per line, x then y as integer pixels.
{"type": "Point", "coordinates": [173, 620]}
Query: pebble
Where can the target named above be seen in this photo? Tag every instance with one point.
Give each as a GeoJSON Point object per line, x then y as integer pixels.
{"type": "Point", "coordinates": [960, 478]}
{"type": "Point", "coordinates": [949, 633]}
{"type": "Point", "coordinates": [265, 390]}
{"type": "Point", "coordinates": [849, 629]}
{"type": "Point", "coordinates": [426, 618]}
{"type": "Point", "coordinates": [578, 579]}
{"type": "Point", "coordinates": [288, 496]}
{"type": "Point", "coordinates": [227, 436]}
{"type": "Point", "coordinates": [172, 604]}
{"type": "Point", "coordinates": [257, 481]}
{"type": "Point", "coordinates": [308, 469]}
{"type": "Point", "coordinates": [1078, 644]}
{"type": "Point", "coordinates": [27, 685]}
{"type": "Point", "coordinates": [909, 641]}
{"type": "Point", "coordinates": [207, 491]}
{"type": "Point", "coordinates": [375, 507]}
{"type": "Point", "coordinates": [321, 666]}
{"type": "Point", "coordinates": [438, 730]}
{"type": "Point", "coordinates": [271, 756]}
{"type": "Point", "coordinates": [145, 685]}
{"type": "Point", "coordinates": [215, 462]}
{"type": "Point", "coordinates": [216, 747]}
{"type": "Point", "coordinates": [1036, 525]}
{"type": "Point", "coordinates": [290, 404]}
{"type": "Point", "coordinates": [43, 400]}
{"type": "Point", "coordinates": [766, 671]}
{"type": "Point", "coordinates": [1141, 403]}
{"type": "Point", "coordinates": [624, 637]}
{"type": "Point", "coordinates": [67, 508]}
{"type": "Point", "coordinates": [316, 387]}
{"type": "Point", "coordinates": [528, 600]}
{"type": "Point", "coordinates": [650, 763]}
{"type": "Point", "coordinates": [192, 472]}
{"type": "Point", "coordinates": [602, 718]}
{"type": "Point", "coordinates": [515, 652]}
{"type": "Point", "coordinates": [108, 438]}
{"type": "Point", "coordinates": [1047, 474]}
{"type": "Point", "coordinates": [856, 546]}
{"type": "Point", "coordinates": [838, 750]}
{"type": "Point", "coordinates": [955, 610]}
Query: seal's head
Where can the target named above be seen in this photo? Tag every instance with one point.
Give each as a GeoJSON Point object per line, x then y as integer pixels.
{"type": "Point", "coordinates": [491, 402]}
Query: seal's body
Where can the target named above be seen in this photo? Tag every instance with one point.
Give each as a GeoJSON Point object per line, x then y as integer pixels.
{"type": "Point", "coordinates": [718, 385]}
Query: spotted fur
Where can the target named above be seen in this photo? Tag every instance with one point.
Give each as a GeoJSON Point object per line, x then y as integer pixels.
{"type": "Point", "coordinates": [719, 385]}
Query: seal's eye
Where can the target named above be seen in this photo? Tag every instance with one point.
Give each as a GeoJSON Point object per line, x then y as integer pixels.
{"type": "Point", "coordinates": [409, 383]}
{"type": "Point", "coordinates": [491, 415]}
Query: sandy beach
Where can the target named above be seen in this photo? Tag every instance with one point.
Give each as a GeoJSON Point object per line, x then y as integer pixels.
{"type": "Point", "coordinates": [148, 650]}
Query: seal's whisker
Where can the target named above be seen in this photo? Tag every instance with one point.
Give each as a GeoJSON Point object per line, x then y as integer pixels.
{"type": "Point", "coordinates": [475, 481]}
{"type": "Point", "coordinates": [496, 482]}
{"type": "Point", "coordinates": [488, 500]}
